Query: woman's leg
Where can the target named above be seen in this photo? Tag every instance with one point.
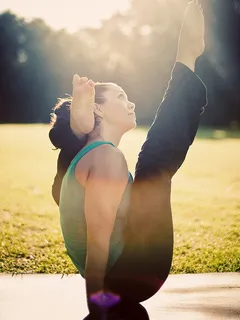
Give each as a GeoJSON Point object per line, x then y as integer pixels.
{"type": "Point", "coordinates": [145, 262]}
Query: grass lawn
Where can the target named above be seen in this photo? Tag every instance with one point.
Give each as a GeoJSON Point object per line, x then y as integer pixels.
{"type": "Point", "coordinates": [205, 203]}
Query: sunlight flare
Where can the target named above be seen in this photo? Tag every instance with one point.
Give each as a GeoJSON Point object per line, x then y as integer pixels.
{"type": "Point", "coordinates": [71, 15]}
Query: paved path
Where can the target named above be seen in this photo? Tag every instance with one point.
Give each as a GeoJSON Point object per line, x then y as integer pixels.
{"type": "Point", "coordinates": [188, 297]}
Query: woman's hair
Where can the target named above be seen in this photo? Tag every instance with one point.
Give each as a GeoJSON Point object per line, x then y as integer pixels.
{"type": "Point", "coordinates": [62, 136]}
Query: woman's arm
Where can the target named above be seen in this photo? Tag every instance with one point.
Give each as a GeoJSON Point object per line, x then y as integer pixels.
{"type": "Point", "coordinates": [104, 189]}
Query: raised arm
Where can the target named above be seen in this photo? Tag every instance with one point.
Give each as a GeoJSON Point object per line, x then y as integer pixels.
{"type": "Point", "coordinates": [177, 118]}
{"type": "Point", "coordinates": [104, 190]}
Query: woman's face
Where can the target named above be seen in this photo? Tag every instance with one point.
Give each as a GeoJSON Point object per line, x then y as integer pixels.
{"type": "Point", "coordinates": [117, 109]}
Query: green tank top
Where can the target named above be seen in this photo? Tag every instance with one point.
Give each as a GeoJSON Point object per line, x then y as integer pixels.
{"type": "Point", "coordinates": [72, 216]}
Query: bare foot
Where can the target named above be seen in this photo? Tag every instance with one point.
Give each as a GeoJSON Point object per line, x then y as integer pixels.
{"type": "Point", "coordinates": [82, 107]}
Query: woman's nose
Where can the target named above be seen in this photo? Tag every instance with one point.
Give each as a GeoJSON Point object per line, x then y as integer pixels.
{"type": "Point", "coordinates": [131, 106]}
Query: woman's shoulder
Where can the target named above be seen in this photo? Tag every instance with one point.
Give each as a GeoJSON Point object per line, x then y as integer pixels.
{"type": "Point", "coordinates": [108, 162]}
{"type": "Point", "coordinates": [108, 154]}
{"type": "Point", "coordinates": [108, 149]}
{"type": "Point", "coordinates": [104, 160]}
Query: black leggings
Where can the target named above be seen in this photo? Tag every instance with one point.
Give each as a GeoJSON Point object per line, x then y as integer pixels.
{"type": "Point", "coordinates": [146, 260]}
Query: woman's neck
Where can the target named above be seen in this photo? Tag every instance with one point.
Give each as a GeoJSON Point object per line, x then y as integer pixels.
{"type": "Point", "coordinates": [106, 135]}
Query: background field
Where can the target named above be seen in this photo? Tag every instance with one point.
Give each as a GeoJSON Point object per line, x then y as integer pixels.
{"type": "Point", "coordinates": [205, 202]}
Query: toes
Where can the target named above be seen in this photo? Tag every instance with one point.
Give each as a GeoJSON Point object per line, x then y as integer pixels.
{"type": "Point", "coordinates": [79, 81]}
{"type": "Point", "coordinates": [76, 79]}
{"type": "Point", "coordinates": [84, 80]}
{"type": "Point", "coordinates": [91, 83]}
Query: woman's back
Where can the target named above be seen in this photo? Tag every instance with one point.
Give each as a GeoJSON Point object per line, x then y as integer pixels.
{"type": "Point", "coordinates": [72, 209]}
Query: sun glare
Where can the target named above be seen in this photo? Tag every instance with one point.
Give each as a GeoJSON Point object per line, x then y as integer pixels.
{"type": "Point", "coordinates": [71, 15]}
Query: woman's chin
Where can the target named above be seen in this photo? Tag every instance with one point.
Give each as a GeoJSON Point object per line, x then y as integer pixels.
{"type": "Point", "coordinates": [132, 125]}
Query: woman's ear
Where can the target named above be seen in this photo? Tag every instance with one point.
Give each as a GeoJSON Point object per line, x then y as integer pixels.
{"type": "Point", "coordinates": [98, 110]}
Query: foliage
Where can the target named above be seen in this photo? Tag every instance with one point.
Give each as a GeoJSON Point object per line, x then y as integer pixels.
{"type": "Point", "coordinates": [136, 49]}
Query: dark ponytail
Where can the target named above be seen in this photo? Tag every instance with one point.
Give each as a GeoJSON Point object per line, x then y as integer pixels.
{"type": "Point", "coordinates": [62, 137]}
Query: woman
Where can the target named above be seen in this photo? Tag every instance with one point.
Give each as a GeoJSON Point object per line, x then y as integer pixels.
{"type": "Point", "coordinates": [118, 231]}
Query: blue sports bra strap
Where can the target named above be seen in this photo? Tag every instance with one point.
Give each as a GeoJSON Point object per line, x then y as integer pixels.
{"type": "Point", "coordinates": [87, 148]}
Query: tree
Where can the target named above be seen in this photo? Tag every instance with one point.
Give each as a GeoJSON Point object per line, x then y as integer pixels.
{"type": "Point", "coordinates": [137, 50]}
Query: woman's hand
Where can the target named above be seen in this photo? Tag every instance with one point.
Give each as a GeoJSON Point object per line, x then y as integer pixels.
{"type": "Point", "coordinates": [191, 40]}
{"type": "Point", "coordinates": [82, 106]}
